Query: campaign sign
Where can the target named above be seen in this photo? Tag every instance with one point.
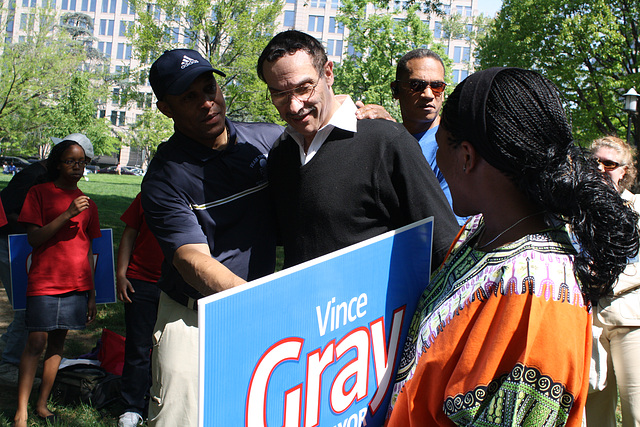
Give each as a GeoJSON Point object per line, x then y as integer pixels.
{"type": "Point", "coordinates": [316, 344]}
{"type": "Point", "coordinates": [104, 274]}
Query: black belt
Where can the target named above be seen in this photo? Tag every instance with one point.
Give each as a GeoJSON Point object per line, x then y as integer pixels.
{"type": "Point", "coordinates": [185, 300]}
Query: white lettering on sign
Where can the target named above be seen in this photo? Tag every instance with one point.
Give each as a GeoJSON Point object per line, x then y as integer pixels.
{"type": "Point", "coordinates": [343, 391]}
{"type": "Point", "coordinates": [342, 313]}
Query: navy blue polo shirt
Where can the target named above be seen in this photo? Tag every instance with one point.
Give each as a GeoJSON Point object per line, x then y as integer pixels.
{"type": "Point", "coordinates": [194, 194]}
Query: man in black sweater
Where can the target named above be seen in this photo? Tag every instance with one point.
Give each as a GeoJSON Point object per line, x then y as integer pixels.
{"type": "Point", "coordinates": [335, 180]}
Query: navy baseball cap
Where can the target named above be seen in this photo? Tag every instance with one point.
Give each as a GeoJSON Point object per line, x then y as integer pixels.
{"type": "Point", "coordinates": [176, 69]}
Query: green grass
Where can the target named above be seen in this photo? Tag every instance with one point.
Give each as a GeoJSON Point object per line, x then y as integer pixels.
{"type": "Point", "coordinates": [112, 194]}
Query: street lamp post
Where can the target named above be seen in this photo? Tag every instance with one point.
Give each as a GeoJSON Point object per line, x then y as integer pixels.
{"type": "Point", "coordinates": [631, 107]}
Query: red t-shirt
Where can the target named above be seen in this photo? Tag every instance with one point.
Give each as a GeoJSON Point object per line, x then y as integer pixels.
{"type": "Point", "coordinates": [146, 258]}
{"type": "Point", "coordinates": [60, 265]}
{"type": "Point", "coordinates": [3, 216]}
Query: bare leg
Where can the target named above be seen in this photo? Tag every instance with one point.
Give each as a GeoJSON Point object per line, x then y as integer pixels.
{"type": "Point", "coordinates": [51, 364]}
{"type": "Point", "coordinates": [28, 365]}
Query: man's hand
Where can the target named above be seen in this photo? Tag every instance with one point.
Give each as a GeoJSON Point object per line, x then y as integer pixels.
{"type": "Point", "coordinates": [372, 111]}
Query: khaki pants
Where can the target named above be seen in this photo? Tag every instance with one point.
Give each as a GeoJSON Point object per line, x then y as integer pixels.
{"type": "Point", "coordinates": [174, 389]}
{"type": "Point", "coordinates": [617, 320]}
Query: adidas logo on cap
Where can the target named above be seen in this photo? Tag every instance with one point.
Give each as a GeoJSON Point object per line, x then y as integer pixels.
{"type": "Point", "coordinates": [186, 61]}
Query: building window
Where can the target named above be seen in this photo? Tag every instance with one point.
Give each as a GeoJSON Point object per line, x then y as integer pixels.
{"type": "Point", "coordinates": [437, 30]}
{"type": "Point", "coordinates": [352, 52]}
{"type": "Point", "coordinates": [335, 27]}
{"type": "Point", "coordinates": [400, 5]}
{"type": "Point", "coordinates": [461, 54]}
{"type": "Point", "coordinates": [114, 118]}
{"type": "Point", "coordinates": [109, 7]}
{"type": "Point", "coordinates": [105, 48]}
{"type": "Point", "coordinates": [124, 27]}
{"type": "Point", "coordinates": [10, 26]}
{"type": "Point", "coordinates": [23, 21]}
{"type": "Point", "coordinates": [145, 100]}
{"type": "Point", "coordinates": [316, 23]}
{"type": "Point", "coordinates": [175, 32]}
{"type": "Point", "coordinates": [102, 114]}
{"type": "Point", "coordinates": [122, 118]}
{"type": "Point", "coordinates": [127, 9]}
{"type": "Point", "coordinates": [335, 4]}
{"type": "Point", "coordinates": [318, 3]}
{"type": "Point", "coordinates": [106, 27]}
{"type": "Point", "coordinates": [289, 18]}
{"type": "Point", "coordinates": [291, 1]}
{"type": "Point", "coordinates": [459, 75]}
{"type": "Point", "coordinates": [469, 30]}
{"type": "Point", "coordinates": [154, 9]}
{"type": "Point", "coordinates": [334, 47]}
{"type": "Point", "coordinates": [466, 54]}
{"type": "Point", "coordinates": [457, 53]}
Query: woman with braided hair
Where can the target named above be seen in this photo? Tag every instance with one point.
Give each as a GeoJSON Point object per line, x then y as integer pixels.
{"type": "Point", "coordinates": [502, 334]}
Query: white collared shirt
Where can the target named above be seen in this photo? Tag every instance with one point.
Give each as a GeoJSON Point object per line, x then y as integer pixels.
{"type": "Point", "coordinates": [343, 118]}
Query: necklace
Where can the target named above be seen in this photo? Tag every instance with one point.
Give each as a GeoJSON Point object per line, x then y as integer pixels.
{"type": "Point", "coordinates": [507, 229]}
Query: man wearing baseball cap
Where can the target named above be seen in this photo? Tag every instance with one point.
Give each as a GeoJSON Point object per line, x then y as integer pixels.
{"type": "Point", "coordinates": [13, 196]}
{"type": "Point", "coordinates": [205, 199]}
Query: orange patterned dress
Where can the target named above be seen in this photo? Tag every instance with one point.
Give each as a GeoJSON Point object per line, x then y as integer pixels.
{"type": "Point", "coordinates": [499, 338]}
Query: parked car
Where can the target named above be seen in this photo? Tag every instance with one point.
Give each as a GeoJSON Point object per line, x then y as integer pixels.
{"type": "Point", "coordinates": [124, 170]}
{"type": "Point", "coordinates": [92, 168]}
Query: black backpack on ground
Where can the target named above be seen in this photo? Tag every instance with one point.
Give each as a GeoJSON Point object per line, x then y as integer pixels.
{"type": "Point", "coordinates": [88, 384]}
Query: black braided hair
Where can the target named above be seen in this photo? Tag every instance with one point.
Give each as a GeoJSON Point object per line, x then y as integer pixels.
{"type": "Point", "coordinates": [526, 121]}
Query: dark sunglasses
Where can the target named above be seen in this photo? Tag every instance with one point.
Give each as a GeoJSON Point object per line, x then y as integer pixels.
{"type": "Point", "coordinates": [419, 86]}
{"type": "Point", "coordinates": [609, 165]}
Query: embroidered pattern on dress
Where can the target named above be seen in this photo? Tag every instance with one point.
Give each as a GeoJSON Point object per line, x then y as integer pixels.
{"type": "Point", "coordinates": [524, 396]}
{"type": "Point", "coordinates": [473, 276]}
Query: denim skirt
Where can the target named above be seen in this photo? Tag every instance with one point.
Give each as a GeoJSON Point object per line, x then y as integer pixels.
{"type": "Point", "coordinates": [50, 312]}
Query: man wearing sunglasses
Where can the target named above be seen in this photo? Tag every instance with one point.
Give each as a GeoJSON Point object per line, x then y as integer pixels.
{"type": "Point", "coordinates": [419, 88]}
{"type": "Point", "coordinates": [337, 180]}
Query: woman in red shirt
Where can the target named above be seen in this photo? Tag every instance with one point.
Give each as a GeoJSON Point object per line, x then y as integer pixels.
{"type": "Point", "coordinates": [61, 223]}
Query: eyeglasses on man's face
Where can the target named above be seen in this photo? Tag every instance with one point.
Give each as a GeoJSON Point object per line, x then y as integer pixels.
{"type": "Point", "coordinates": [302, 93]}
{"type": "Point", "coordinates": [419, 86]}
{"type": "Point", "coordinates": [70, 162]}
{"type": "Point", "coordinates": [609, 165]}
